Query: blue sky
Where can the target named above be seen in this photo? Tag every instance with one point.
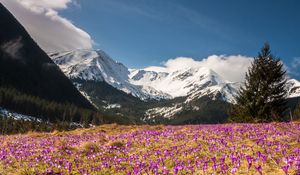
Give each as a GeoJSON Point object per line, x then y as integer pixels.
{"type": "Point", "coordinates": [142, 33]}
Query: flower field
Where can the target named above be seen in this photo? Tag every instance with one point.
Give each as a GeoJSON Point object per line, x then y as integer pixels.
{"type": "Point", "coordinates": [191, 149]}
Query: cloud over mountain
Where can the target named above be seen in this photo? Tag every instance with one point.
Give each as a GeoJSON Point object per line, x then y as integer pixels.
{"type": "Point", "coordinates": [43, 22]}
{"type": "Point", "coordinates": [231, 68]}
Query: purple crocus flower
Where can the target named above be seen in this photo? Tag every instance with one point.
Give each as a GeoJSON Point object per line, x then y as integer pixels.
{"type": "Point", "coordinates": [259, 169]}
{"type": "Point", "coordinates": [285, 169]}
{"type": "Point", "coordinates": [249, 160]}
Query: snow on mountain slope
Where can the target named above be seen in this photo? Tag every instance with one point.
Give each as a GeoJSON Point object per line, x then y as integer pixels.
{"type": "Point", "coordinates": [98, 66]}
{"type": "Point", "coordinates": [192, 82]}
{"type": "Point", "coordinates": [152, 82]}
{"type": "Point", "coordinates": [223, 91]}
{"type": "Point", "coordinates": [17, 116]}
{"type": "Point", "coordinates": [90, 65]}
{"type": "Point", "coordinates": [165, 112]}
{"type": "Point", "coordinates": [293, 88]}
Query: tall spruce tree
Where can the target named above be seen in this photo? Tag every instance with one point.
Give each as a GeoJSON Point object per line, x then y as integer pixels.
{"type": "Point", "coordinates": [262, 98]}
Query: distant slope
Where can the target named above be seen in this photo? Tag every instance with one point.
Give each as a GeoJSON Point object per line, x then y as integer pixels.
{"type": "Point", "coordinates": [25, 67]}
{"type": "Point", "coordinates": [153, 95]}
{"type": "Point", "coordinates": [152, 83]}
{"type": "Point", "coordinates": [97, 66]}
{"type": "Point", "coordinates": [293, 86]}
{"type": "Point", "coordinates": [116, 91]}
{"type": "Point", "coordinates": [194, 82]}
{"type": "Point", "coordinates": [112, 102]}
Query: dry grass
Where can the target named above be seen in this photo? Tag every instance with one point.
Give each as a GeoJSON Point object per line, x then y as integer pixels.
{"type": "Point", "coordinates": [87, 147]}
{"type": "Point", "coordinates": [99, 140]}
{"type": "Point", "coordinates": [117, 144]}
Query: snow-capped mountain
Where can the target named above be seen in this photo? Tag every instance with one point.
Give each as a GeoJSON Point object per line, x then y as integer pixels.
{"type": "Point", "coordinates": [143, 83]}
{"type": "Point", "coordinates": [293, 88]}
{"type": "Point", "coordinates": [184, 93]}
{"type": "Point", "coordinates": [96, 65]}
{"type": "Point", "coordinates": [192, 82]}
{"type": "Point", "coordinates": [153, 82]}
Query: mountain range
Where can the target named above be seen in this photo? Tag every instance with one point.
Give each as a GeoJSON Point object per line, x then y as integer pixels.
{"type": "Point", "coordinates": [47, 85]}
{"type": "Point", "coordinates": [155, 94]}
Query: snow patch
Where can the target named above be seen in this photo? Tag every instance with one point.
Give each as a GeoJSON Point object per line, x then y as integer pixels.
{"type": "Point", "coordinates": [17, 116]}
{"type": "Point", "coordinates": [165, 112]}
{"type": "Point", "coordinates": [110, 106]}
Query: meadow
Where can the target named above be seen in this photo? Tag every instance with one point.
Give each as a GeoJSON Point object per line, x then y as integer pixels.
{"type": "Point", "coordinates": [272, 148]}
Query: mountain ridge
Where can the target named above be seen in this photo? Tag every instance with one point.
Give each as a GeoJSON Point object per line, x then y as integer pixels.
{"type": "Point", "coordinates": [148, 84]}
{"type": "Point", "coordinates": [96, 65]}
{"type": "Point", "coordinates": [182, 95]}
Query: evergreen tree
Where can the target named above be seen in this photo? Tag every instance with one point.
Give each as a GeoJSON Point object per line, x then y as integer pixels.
{"type": "Point", "coordinates": [262, 98]}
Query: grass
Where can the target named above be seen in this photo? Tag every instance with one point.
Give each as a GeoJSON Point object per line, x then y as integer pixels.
{"type": "Point", "coordinates": [191, 149]}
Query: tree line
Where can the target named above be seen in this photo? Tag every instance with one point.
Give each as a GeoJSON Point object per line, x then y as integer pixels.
{"type": "Point", "coordinates": [48, 111]}
{"type": "Point", "coordinates": [11, 126]}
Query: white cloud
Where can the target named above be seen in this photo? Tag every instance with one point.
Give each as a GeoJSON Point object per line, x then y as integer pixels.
{"type": "Point", "coordinates": [232, 68]}
{"type": "Point", "coordinates": [50, 30]}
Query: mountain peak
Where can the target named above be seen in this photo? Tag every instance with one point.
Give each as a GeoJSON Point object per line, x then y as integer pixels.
{"type": "Point", "coordinates": [151, 82]}
{"type": "Point", "coordinates": [177, 83]}
{"type": "Point", "coordinates": [96, 65]}
{"type": "Point", "coordinates": [293, 86]}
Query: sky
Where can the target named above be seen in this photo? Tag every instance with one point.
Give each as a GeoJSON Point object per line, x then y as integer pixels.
{"type": "Point", "coordinates": [143, 33]}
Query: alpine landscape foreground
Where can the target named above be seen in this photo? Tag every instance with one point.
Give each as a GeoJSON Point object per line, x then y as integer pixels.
{"type": "Point", "coordinates": [133, 150]}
